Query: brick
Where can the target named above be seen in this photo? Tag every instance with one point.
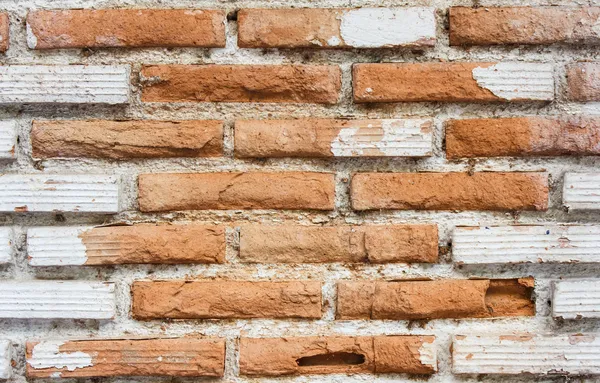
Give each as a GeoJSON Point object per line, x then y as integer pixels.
{"type": "Point", "coordinates": [581, 191]}
{"type": "Point", "coordinates": [5, 359]}
{"type": "Point", "coordinates": [583, 81]}
{"type": "Point", "coordinates": [57, 300]}
{"type": "Point", "coordinates": [411, 354]}
{"type": "Point", "coordinates": [525, 136]}
{"type": "Point", "coordinates": [186, 357]}
{"type": "Point", "coordinates": [373, 244]}
{"type": "Point", "coordinates": [225, 299]}
{"type": "Point", "coordinates": [6, 244]}
{"type": "Point", "coordinates": [114, 245]}
{"type": "Point", "coordinates": [59, 193]}
{"type": "Point", "coordinates": [8, 140]}
{"type": "Point", "coordinates": [454, 299]}
{"type": "Point", "coordinates": [127, 139]}
{"type": "Point", "coordinates": [129, 28]}
{"type": "Point", "coordinates": [526, 244]}
{"type": "Point", "coordinates": [333, 138]}
{"type": "Point", "coordinates": [450, 191]}
{"type": "Point", "coordinates": [64, 84]}
{"type": "Point", "coordinates": [222, 191]}
{"type": "Point", "coordinates": [318, 84]}
{"type": "Point", "coordinates": [576, 299]}
{"type": "Point", "coordinates": [523, 25]}
{"type": "Point", "coordinates": [336, 28]}
{"type": "Point", "coordinates": [453, 82]}
{"type": "Point", "coordinates": [4, 32]}
{"type": "Point", "coordinates": [575, 354]}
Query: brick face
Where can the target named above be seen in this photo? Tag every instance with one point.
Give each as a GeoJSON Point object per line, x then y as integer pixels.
{"type": "Point", "coordinates": [4, 32]}
{"type": "Point", "coordinates": [583, 81]}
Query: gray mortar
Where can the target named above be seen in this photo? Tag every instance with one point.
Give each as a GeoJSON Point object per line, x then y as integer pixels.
{"type": "Point", "coordinates": [20, 330]}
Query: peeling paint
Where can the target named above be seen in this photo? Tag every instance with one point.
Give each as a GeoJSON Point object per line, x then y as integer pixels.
{"type": "Point", "coordinates": [516, 81]}
{"type": "Point", "coordinates": [428, 354]}
{"type": "Point", "coordinates": [47, 354]}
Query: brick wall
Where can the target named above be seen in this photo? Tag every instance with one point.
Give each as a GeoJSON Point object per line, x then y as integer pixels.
{"type": "Point", "coordinates": [331, 191]}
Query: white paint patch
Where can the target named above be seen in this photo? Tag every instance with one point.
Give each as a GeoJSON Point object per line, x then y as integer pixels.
{"type": "Point", "coordinates": [576, 299]}
{"type": "Point", "coordinates": [8, 139]}
{"type": "Point", "coordinates": [5, 359]}
{"type": "Point", "coordinates": [52, 193]}
{"type": "Point", "coordinates": [428, 355]}
{"type": "Point", "coordinates": [31, 38]}
{"type": "Point", "coordinates": [517, 81]}
{"type": "Point", "coordinates": [388, 27]}
{"type": "Point", "coordinates": [582, 191]}
{"type": "Point", "coordinates": [334, 41]}
{"type": "Point", "coordinates": [47, 355]}
{"type": "Point", "coordinates": [57, 300]}
{"type": "Point", "coordinates": [534, 354]}
{"type": "Point", "coordinates": [56, 246]}
{"type": "Point", "coordinates": [71, 84]}
{"type": "Point", "coordinates": [526, 244]}
{"type": "Point", "coordinates": [394, 138]}
{"type": "Point", "coordinates": [6, 244]}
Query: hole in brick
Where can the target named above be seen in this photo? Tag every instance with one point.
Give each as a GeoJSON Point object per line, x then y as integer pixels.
{"type": "Point", "coordinates": [331, 359]}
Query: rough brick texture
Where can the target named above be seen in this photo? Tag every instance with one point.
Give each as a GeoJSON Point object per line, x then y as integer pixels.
{"type": "Point", "coordinates": [4, 32]}
{"type": "Point", "coordinates": [583, 81]}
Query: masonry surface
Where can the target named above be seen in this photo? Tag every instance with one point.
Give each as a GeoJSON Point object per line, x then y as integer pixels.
{"type": "Point", "coordinates": [324, 191]}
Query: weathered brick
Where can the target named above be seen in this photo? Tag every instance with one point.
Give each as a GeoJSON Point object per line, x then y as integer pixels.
{"type": "Point", "coordinates": [576, 299]}
{"type": "Point", "coordinates": [5, 359]}
{"type": "Point", "coordinates": [4, 32]}
{"type": "Point", "coordinates": [318, 84]}
{"type": "Point", "coordinates": [336, 28]}
{"type": "Point", "coordinates": [8, 140]}
{"type": "Point", "coordinates": [581, 191]}
{"type": "Point", "coordinates": [333, 138]}
{"type": "Point", "coordinates": [113, 245]}
{"type": "Point", "coordinates": [459, 298]}
{"type": "Point", "coordinates": [523, 25]}
{"type": "Point", "coordinates": [410, 354]}
{"type": "Point", "coordinates": [127, 139]}
{"type": "Point", "coordinates": [373, 244]}
{"type": "Point", "coordinates": [125, 357]}
{"type": "Point", "coordinates": [6, 244]}
{"type": "Point", "coordinates": [525, 136]}
{"type": "Point", "coordinates": [452, 82]}
{"type": "Point", "coordinates": [583, 81]}
{"type": "Point", "coordinates": [222, 191]}
{"type": "Point", "coordinates": [450, 191]}
{"type": "Point", "coordinates": [225, 299]}
{"type": "Point", "coordinates": [105, 28]}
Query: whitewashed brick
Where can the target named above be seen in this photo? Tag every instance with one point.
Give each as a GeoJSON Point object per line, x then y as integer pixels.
{"type": "Point", "coordinates": [59, 246]}
{"type": "Point", "coordinates": [526, 244]}
{"type": "Point", "coordinates": [57, 300]}
{"type": "Point", "coordinates": [59, 193]}
{"type": "Point", "coordinates": [577, 354]}
{"type": "Point", "coordinates": [6, 244]}
{"type": "Point", "coordinates": [582, 191]}
{"type": "Point", "coordinates": [576, 299]}
{"type": "Point", "coordinates": [8, 139]}
{"type": "Point", "coordinates": [5, 359]}
{"type": "Point", "coordinates": [517, 81]}
{"type": "Point", "coordinates": [72, 84]}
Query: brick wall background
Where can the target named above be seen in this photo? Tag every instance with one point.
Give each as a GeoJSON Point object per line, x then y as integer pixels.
{"type": "Point", "coordinates": [229, 204]}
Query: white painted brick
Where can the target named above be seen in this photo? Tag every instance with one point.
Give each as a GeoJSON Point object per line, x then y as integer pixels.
{"type": "Point", "coordinates": [516, 80]}
{"type": "Point", "coordinates": [576, 299]}
{"type": "Point", "coordinates": [8, 139]}
{"type": "Point", "coordinates": [52, 193]}
{"type": "Point", "coordinates": [73, 84]}
{"type": "Point", "coordinates": [582, 191]}
{"type": "Point", "coordinates": [526, 244]}
{"type": "Point", "coordinates": [535, 354]}
{"type": "Point", "coordinates": [5, 359]}
{"type": "Point", "coordinates": [57, 300]}
{"type": "Point", "coordinates": [61, 246]}
{"type": "Point", "coordinates": [6, 244]}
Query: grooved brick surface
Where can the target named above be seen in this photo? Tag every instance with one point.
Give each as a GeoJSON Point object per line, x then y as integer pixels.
{"type": "Point", "coordinates": [576, 299]}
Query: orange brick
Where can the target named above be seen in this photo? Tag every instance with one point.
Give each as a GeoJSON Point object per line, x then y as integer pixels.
{"type": "Point", "coordinates": [225, 299]}
{"type": "Point", "coordinates": [319, 84]}
{"type": "Point", "coordinates": [526, 136]}
{"type": "Point", "coordinates": [106, 28]}
{"type": "Point", "coordinates": [126, 139]}
{"type": "Point", "coordinates": [583, 81]}
{"type": "Point", "coordinates": [450, 191]}
{"type": "Point", "coordinates": [4, 32]}
{"type": "Point", "coordinates": [223, 191]}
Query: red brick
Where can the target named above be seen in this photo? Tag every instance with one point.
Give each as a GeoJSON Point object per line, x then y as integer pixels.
{"type": "Point", "coordinates": [450, 191]}
{"type": "Point", "coordinates": [435, 299]}
{"type": "Point", "coordinates": [105, 28]}
{"type": "Point", "coordinates": [223, 191]}
{"type": "Point", "coordinates": [583, 81]}
{"type": "Point", "coordinates": [410, 354]}
{"type": "Point", "coordinates": [319, 84]}
{"type": "Point", "coordinates": [4, 32]}
{"type": "Point", "coordinates": [523, 25]}
{"type": "Point", "coordinates": [127, 139]}
{"type": "Point", "coordinates": [225, 299]}
{"type": "Point", "coordinates": [373, 244]}
{"type": "Point", "coordinates": [526, 136]}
